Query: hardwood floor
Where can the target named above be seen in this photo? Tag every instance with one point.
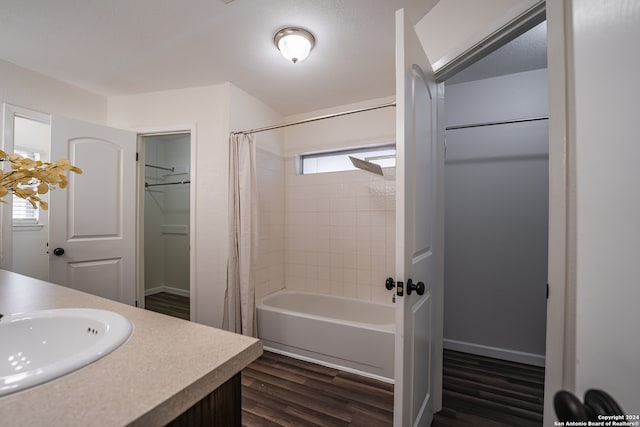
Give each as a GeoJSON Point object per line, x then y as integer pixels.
{"type": "Point", "coordinates": [281, 391]}
{"type": "Point", "coordinates": [477, 391]}
{"type": "Point", "coordinates": [169, 304]}
{"type": "Point", "coordinates": [480, 391]}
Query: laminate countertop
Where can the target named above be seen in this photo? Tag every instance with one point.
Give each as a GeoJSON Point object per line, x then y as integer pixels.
{"type": "Point", "coordinates": [164, 368]}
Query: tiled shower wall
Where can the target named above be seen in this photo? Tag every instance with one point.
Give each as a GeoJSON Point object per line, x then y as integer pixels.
{"type": "Point", "coordinates": [269, 265]}
{"type": "Point", "coordinates": [340, 232]}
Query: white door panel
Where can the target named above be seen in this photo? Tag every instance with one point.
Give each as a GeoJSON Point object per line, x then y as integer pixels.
{"type": "Point", "coordinates": [420, 159]}
{"type": "Point", "coordinates": [105, 203]}
{"type": "Point", "coordinates": [421, 368]}
{"type": "Point", "coordinates": [93, 220]}
{"type": "Point", "coordinates": [103, 278]}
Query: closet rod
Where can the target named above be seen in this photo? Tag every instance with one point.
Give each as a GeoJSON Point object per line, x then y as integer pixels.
{"type": "Point", "coordinates": [506, 122]}
{"type": "Point", "coordinates": [160, 167]}
{"type": "Point", "coordinates": [314, 119]}
{"type": "Point", "coordinates": [146, 184]}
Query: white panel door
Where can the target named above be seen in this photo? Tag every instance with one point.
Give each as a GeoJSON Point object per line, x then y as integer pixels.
{"type": "Point", "coordinates": [92, 237]}
{"type": "Point", "coordinates": [419, 213]}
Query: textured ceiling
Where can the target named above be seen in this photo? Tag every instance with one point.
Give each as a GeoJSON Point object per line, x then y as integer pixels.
{"type": "Point", "coordinates": [116, 47]}
{"type": "Point", "coordinates": [119, 47]}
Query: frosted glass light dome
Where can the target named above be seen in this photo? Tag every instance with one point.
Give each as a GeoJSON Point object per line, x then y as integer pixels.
{"type": "Point", "coordinates": [294, 43]}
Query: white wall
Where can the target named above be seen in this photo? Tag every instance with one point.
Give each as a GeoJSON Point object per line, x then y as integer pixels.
{"type": "Point", "coordinates": [514, 96]}
{"type": "Point", "coordinates": [496, 198]}
{"type": "Point", "coordinates": [372, 127]}
{"type": "Point", "coordinates": [340, 226]}
{"type": "Point", "coordinates": [28, 89]}
{"type": "Point", "coordinates": [247, 112]}
{"type": "Point", "coordinates": [206, 109]}
{"type": "Point", "coordinates": [213, 111]}
{"type": "Point", "coordinates": [605, 132]}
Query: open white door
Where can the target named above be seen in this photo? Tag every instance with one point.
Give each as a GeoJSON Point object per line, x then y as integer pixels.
{"type": "Point", "coordinates": [92, 237]}
{"type": "Point", "coordinates": [419, 225]}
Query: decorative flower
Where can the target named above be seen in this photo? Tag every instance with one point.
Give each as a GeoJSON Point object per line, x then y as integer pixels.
{"type": "Point", "coordinates": [28, 178]}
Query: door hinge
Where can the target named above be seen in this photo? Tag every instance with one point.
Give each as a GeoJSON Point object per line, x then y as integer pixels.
{"type": "Point", "coordinates": [547, 291]}
{"type": "Point", "coordinates": [136, 303]}
{"type": "Point", "coordinates": [137, 156]}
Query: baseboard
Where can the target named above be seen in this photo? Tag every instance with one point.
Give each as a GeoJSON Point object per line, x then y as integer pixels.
{"type": "Point", "coordinates": [167, 289]}
{"type": "Point", "coordinates": [494, 352]}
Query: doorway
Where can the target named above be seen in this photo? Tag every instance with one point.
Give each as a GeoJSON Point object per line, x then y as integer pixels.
{"type": "Point", "coordinates": [25, 232]}
{"type": "Point", "coordinates": [496, 220]}
{"type": "Point", "coordinates": [166, 223]}
{"type": "Point", "coordinates": [496, 181]}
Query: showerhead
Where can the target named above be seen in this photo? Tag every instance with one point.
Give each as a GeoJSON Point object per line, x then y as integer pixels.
{"type": "Point", "coordinates": [366, 166]}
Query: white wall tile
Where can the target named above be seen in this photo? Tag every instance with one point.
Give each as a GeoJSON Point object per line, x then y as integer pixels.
{"type": "Point", "coordinates": [270, 271]}
{"type": "Point", "coordinates": [339, 230]}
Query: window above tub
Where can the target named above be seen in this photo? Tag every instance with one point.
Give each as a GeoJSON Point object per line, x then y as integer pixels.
{"type": "Point", "coordinates": [338, 160]}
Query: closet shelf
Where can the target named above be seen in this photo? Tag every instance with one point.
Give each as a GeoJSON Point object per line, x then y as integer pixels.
{"type": "Point", "coordinates": [160, 167]}
{"type": "Point", "coordinates": [146, 184]}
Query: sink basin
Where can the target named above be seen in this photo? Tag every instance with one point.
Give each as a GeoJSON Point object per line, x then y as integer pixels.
{"type": "Point", "coordinates": [39, 346]}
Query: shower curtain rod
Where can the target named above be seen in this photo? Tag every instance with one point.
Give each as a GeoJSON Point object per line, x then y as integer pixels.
{"type": "Point", "coordinates": [314, 119]}
{"type": "Point", "coordinates": [506, 122]}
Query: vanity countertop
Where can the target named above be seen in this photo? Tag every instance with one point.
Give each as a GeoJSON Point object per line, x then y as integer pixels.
{"type": "Point", "coordinates": [165, 367]}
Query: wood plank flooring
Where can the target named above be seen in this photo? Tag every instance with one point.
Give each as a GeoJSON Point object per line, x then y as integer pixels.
{"type": "Point", "coordinates": [480, 391]}
{"type": "Point", "coordinates": [169, 304]}
{"type": "Point", "coordinates": [281, 391]}
{"type": "Point", "coordinates": [477, 391]}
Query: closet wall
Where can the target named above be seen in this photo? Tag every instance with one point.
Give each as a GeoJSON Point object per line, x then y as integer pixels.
{"type": "Point", "coordinates": [166, 215]}
{"type": "Point", "coordinates": [496, 187]}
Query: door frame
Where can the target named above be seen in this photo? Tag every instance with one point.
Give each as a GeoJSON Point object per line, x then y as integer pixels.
{"type": "Point", "coordinates": [140, 174]}
{"type": "Point", "coordinates": [561, 275]}
{"type": "Point", "coordinates": [561, 308]}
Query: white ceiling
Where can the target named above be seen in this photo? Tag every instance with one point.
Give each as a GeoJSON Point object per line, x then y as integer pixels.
{"type": "Point", "coordinates": [115, 47]}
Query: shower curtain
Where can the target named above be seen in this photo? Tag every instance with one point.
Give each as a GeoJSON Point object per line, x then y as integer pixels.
{"type": "Point", "coordinates": [239, 315]}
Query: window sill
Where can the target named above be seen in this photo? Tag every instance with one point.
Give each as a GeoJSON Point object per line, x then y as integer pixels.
{"type": "Point", "coordinates": [27, 227]}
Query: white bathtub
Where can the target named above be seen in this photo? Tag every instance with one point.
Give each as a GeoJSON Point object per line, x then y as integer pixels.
{"type": "Point", "coordinates": [349, 334]}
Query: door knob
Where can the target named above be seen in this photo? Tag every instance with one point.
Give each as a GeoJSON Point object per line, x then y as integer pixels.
{"type": "Point", "coordinates": [418, 287]}
{"type": "Point", "coordinates": [390, 283]}
{"type": "Point", "coordinates": [58, 251]}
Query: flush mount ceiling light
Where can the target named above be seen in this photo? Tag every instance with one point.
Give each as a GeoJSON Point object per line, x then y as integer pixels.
{"type": "Point", "coordinates": [294, 43]}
